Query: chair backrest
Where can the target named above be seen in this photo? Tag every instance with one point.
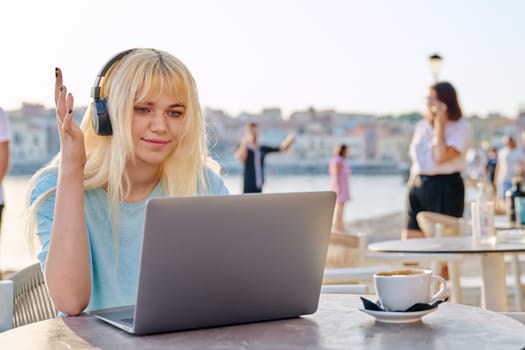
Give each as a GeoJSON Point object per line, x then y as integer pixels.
{"type": "Point", "coordinates": [31, 297]}
{"type": "Point", "coordinates": [428, 221]}
{"type": "Point", "coordinates": [346, 250]}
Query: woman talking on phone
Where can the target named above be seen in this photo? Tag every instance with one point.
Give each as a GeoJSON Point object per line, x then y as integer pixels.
{"type": "Point", "coordinates": [437, 151]}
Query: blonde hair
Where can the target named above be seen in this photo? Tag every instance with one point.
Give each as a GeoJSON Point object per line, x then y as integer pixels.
{"type": "Point", "coordinates": [140, 74]}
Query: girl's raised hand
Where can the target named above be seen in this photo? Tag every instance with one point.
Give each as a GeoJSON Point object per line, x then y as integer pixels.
{"type": "Point", "coordinates": [73, 153]}
{"type": "Point", "coordinates": [441, 115]}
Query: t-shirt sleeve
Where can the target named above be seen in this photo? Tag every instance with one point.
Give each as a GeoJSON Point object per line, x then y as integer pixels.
{"type": "Point", "coordinates": [215, 183]}
{"type": "Point", "coordinates": [44, 213]}
{"type": "Point", "coordinates": [459, 137]}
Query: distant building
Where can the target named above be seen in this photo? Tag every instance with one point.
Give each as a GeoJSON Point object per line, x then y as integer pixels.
{"type": "Point", "coordinates": [30, 144]}
{"type": "Point", "coordinates": [375, 144]}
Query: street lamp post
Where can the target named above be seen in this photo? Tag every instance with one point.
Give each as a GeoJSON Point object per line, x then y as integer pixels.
{"type": "Point", "coordinates": [435, 66]}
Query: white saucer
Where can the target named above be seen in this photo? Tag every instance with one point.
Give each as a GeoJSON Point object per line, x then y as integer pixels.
{"type": "Point", "coordinates": [398, 317]}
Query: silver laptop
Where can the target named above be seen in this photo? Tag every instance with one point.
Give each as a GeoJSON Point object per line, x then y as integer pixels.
{"type": "Point", "coordinates": [220, 260]}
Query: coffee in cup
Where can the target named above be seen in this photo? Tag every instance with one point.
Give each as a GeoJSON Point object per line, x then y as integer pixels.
{"type": "Point", "coordinates": [398, 290]}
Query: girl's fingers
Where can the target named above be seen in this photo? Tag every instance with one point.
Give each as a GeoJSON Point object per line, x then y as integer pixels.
{"type": "Point", "coordinates": [61, 103]}
{"type": "Point", "coordinates": [58, 84]}
{"type": "Point", "coordinates": [69, 101]}
{"type": "Point", "coordinates": [67, 124]}
{"type": "Point", "coordinates": [68, 118]}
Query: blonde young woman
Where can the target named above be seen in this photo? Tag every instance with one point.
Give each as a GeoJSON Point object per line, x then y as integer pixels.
{"type": "Point", "coordinates": [143, 137]}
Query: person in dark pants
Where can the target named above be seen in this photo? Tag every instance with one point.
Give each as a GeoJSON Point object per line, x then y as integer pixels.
{"type": "Point", "coordinates": [252, 155]}
{"type": "Point", "coordinates": [437, 151]}
{"type": "Point", "coordinates": [490, 166]}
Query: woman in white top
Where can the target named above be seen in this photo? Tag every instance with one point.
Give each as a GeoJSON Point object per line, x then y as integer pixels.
{"type": "Point", "coordinates": [437, 151]}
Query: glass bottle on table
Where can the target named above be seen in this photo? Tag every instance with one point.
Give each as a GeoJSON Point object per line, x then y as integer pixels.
{"type": "Point", "coordinates": [517, 202]}
{"type": "Point", "coordinates": [482, 215]}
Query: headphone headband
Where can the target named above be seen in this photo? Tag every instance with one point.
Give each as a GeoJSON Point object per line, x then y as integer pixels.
{"type": "Point", "coordinates": [95, 90]}
{"type": "Point", "coordinates": [100, 119]}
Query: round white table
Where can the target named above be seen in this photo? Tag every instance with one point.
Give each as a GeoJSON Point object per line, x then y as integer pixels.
{"type": "Point", "coordinates": [494, 289]}
{"type": "Point", "coordinates": [338, 324]}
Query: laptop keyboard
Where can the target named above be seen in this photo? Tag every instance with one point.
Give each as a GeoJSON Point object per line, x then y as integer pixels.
{"type": "Point", "coordinates": [127, 320]}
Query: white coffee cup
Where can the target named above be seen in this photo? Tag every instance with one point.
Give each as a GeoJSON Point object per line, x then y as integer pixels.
{"type": "Point", "coordinates": [400, 289]}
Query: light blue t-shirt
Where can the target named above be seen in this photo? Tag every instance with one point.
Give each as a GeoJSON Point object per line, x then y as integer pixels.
{"type": "Point", "coordinates": [111, 285]}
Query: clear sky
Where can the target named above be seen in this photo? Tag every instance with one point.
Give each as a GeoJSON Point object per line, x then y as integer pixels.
{"type": "Point", "coordinates": [350, 55]}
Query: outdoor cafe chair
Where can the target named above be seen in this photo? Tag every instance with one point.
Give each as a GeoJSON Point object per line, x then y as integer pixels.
{"type": "Point", "coordinates": [357, 288]}
{"type": "Point", "coordinates": [350, 264]}
{"type": "Point", "coordinates": [346, 270]}
{"type": "Point", "coordinates": [441, 225]}
{"type": "Point", "coordinates": [31, 300]}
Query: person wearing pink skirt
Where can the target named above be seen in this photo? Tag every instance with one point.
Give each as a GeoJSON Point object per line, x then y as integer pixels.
{"type": "Point", "coordinates": [340, 171]}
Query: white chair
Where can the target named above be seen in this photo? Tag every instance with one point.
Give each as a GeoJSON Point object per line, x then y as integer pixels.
{"type": "Point", "coordinates": [31, 298]}
{"type": "Point", "coordinates": [345, 289]}
{"type": "Point", "coordinates": [433, 225]}
{"type": "Point", "coordinates": [349, 262]}
{"type": "Point", "coordinates": [514, 280]}
{"type": "Point", "coordinates": [345, 269]}
{"type": "Point", "coordinates": [441, 225]}
{"type": "Point", "coordinates": [514, 262]}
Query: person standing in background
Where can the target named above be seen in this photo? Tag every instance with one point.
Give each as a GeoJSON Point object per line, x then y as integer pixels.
{"type": "Point", "coordinates": [437, 151]}
{"type": "Point", "coordinates": [5, 137]}
{"type": "Point", "coordinates": [340, 171]}
{"type": "Point", "coordinates": [511, 163]}
{"type": "Point", "coordinates": [252, 154]}
{"type": "Point", "coordinates": [490, 166]}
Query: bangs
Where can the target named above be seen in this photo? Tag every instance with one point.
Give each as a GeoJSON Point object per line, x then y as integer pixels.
{"type": "Point", "coordinates": [156, 81]}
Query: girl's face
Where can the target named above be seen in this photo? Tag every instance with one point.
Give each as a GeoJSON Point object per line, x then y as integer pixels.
{"type": "Point", "coordinates": [156, 127]}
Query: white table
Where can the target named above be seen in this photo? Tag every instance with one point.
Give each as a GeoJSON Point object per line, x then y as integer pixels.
{"type": "Point", "coordinates": [336, 325]}
{"type": "Point", "coordinates": [501, 225]}
{"type": "Point", "coordinates": [494, 289]}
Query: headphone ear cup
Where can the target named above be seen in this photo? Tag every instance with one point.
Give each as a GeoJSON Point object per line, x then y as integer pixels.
{"type": "Point", "coordinates": [100, 119]}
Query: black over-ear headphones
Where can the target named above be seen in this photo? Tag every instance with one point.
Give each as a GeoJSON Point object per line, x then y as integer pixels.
{"type": "Point", "coordinates": [100, 118]}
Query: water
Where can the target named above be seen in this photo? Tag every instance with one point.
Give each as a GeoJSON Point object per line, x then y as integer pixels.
{"type": "Point", "coordinates": [14, 251]}
{"type": "Point", "coordinates": [372, 196]}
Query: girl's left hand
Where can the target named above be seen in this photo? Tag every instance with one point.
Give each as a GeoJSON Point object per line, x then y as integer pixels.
{"type": "Point", "coordinates": [73, 154]}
